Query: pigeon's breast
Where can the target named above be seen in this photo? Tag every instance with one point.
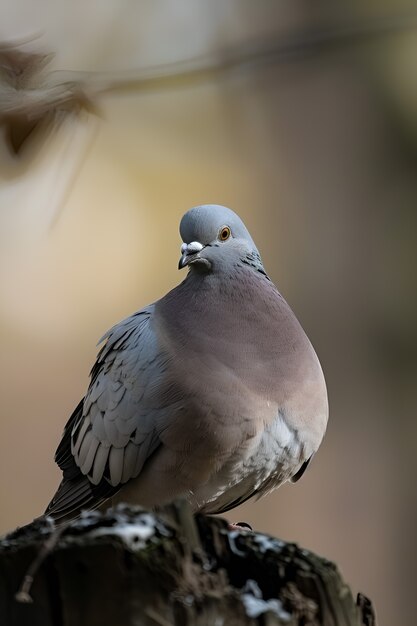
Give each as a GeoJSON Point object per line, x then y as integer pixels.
{"type": "Point", "coordinates": [256, 403]}
{"type": "Point", "coordinates": [242, 329]}
{"type": "Point", "coordinates": [237, 346]}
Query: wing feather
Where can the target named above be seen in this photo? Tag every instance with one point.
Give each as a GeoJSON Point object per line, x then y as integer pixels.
{"type": "Point", "coordinates": [112, 432]}
{"type": "Point", "coordinates": [116, 458]}
{"type": "Point", "coordinates": [130, 458]}
{"type": "Point", "coordinates": [99, 465]}
{"type": "Point", "coordinates": [85, 447]}
{"type": "Point", "coordinates": [78, 435]}
{"type": "Point", "coordinates": [87, 463]}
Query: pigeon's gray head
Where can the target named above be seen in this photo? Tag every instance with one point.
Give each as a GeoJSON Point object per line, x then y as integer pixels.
{"type": "Point", "coordinates": [215, 239]}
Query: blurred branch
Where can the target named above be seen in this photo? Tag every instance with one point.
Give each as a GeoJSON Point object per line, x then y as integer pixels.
{"type": "Point", "coordinates": [34, 102]}
{"type": "Point", "coordinates": [25, 90]}
{"type": "Point", "coordinates": [28, 94]}
{"type": "Point", "coordinates": [279, 49]}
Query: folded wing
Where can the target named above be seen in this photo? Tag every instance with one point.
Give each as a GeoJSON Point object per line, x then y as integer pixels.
{"type": "Point", "coordinates": [111, 433]}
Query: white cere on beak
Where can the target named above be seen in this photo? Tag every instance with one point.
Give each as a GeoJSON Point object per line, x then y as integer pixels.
{"type": "Point", "coordinates": [190, 256]}
{"type": "Point", "coordinates": [191, 248]}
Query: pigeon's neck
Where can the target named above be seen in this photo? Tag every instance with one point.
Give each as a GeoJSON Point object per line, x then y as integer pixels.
{"type": "Point", "coordinates": [224, 271]}
{"type": "Point", "coordinates": [231, 286]}
{"type": "Point", "coordinates": [253, 260]}
{"type": "Point", "coordinates": [247, 273]}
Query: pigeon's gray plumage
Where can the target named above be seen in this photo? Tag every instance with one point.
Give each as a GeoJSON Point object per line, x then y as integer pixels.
{"type": "Point", "coordinates": [213, 392]}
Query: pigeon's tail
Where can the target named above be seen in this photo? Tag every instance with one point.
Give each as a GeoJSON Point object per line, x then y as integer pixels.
{"type": "Point", "coordinates": [71, 497]}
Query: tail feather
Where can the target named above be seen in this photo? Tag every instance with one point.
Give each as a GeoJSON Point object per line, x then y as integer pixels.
{"type": "Point", "coordinates": [71, 497]}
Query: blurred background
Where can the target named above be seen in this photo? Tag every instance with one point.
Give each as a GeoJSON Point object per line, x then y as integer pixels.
{"type": "Point", "coordinates": [115, 118]}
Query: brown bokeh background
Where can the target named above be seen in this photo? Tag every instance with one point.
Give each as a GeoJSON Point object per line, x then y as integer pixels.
{"type": "Point", "coordinates": [317, 152]}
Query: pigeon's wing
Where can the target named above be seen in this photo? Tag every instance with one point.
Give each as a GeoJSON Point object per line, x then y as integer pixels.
{"type": "Point", "coordinates": [111, 432]}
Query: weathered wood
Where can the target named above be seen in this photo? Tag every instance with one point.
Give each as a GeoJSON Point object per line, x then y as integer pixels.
{"type": "Point", "coordinates": [131, 567]}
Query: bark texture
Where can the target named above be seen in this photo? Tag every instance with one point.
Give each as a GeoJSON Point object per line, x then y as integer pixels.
{"type": "Point", "coordinates": [130, 567]}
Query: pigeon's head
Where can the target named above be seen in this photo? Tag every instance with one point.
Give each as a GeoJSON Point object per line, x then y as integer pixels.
{"type": "Point", "coordinates": [215, 238]}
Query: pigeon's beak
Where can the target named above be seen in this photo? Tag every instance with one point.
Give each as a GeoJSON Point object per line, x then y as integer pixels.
{"type": "Point", "coordinates": [189, 253]}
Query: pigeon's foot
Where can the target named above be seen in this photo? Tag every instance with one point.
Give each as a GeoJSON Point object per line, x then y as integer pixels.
{"type": "Point", "coordinates": [240, 526]}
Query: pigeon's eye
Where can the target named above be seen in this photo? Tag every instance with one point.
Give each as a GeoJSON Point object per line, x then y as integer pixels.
{"type": "Point", "coordinates": [224, 233]}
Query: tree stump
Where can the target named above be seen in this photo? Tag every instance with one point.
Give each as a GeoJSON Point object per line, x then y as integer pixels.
{"type": "Point", "coordinates": [131, 567]}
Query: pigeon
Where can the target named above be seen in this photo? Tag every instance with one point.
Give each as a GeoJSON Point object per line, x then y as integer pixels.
{"type": "Point", "coordinates": [213, 393]}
